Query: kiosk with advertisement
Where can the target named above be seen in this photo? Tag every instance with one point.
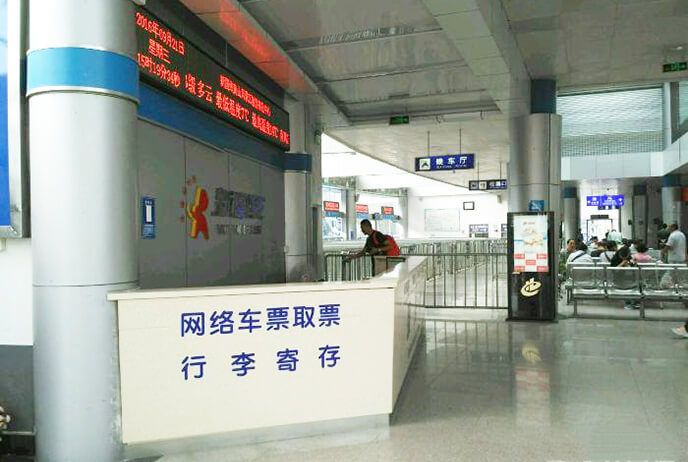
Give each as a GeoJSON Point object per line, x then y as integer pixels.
{"type": "Point", "coordinates": [532, 267]}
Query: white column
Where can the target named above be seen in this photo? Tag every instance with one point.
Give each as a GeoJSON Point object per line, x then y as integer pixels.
{"type": "Point", "coordinates": [82, 86]}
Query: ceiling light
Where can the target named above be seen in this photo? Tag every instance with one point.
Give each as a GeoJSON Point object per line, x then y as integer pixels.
{"type": "Point", "coordinates": [678, 48]}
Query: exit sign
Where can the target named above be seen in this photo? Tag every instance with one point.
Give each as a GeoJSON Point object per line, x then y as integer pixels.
{"type": "Point", "coordinates": [399, 120]}
{"type": "Point", "coordinates": [676, 67]}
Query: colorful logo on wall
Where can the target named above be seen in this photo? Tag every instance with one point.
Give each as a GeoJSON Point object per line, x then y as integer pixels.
{"type": "Point", "coordinates": [196, 212]}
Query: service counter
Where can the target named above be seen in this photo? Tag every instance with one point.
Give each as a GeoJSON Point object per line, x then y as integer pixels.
{"type": "Point", "coordinates": [259, 360]}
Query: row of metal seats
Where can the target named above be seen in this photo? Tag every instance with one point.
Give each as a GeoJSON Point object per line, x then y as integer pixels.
{"type": "Point", "coordinates": [649, 281]}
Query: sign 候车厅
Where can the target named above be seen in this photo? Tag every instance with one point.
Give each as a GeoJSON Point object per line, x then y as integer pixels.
{"type": "Point", "coordinates": [170, 61]}
{"type": "Point", "coordinates": [331, 206]}
{"type": "Point", "coordinates": [448, 162]}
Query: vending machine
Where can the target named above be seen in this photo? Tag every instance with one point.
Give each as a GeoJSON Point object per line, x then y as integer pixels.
{"type": "Point", "coordinates": [532, 266]}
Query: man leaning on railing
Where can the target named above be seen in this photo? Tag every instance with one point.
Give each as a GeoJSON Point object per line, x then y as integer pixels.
{"type": "Point", "coordinates": [376, 244]}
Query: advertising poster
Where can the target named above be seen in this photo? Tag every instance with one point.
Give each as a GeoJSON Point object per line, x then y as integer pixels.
{"type": "Point", "coordinates": [530, 244]}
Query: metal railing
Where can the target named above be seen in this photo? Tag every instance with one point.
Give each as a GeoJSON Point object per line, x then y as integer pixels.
{"type": "Point", "coordinates": [460, 274]}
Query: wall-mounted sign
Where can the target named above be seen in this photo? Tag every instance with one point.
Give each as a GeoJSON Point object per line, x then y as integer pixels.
{"type": "Point", "coordinates": [675, 67]}
{"type": "Point", "coordinates": [362, 208]}
{"type": "Point", "coordinates": [448, 162]}
{"type": "Point", "coordinates": [331, 206]}
{"type": "Point", "coordinates": [170, 61]}
{"type": "Point", "coordinates": [470, 205]}
{"type": "Point", "coordinates": [536, 205]}
{"type": "Point", "coordinates": [599, 217]}
{"type": "Point", "coordinates": [487, 185]}
{"type": "Point", "coordinates": [13, 165]}
{"type": "Point", "coordinates": [388, 210]}
{"type": "Point", "coordinates": [147, 218]}
{"type": "Point", "coordinates": [479, 230]}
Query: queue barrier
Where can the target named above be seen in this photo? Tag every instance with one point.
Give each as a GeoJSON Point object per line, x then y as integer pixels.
{"type": "Point", "coordinates": [646, 282]}
{"type": "Point", "coordinates": [453, 280]}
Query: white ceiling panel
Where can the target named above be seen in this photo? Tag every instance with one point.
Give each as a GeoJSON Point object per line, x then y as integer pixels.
{"type": "Point", "coordinates": [378, 56]}
{"type": "Point", "coordinates": [293, 20]}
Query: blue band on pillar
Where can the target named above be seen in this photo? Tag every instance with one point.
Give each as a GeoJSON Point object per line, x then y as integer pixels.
{"type": "Point", "coordinates": [82, 69]}
{"type": "Point", "coordinates": [671, 181]}
{"type": "Point", "coordinates": [570, 193]}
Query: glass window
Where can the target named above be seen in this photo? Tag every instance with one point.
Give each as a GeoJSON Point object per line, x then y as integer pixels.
{"type": "Point", "coordinates": [613, 122]}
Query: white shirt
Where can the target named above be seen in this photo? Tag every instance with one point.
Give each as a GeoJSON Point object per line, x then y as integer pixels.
{"type": "Point", "coordinates": [579, 257]}
{"type": "Point", "coordinates": [677, 241]}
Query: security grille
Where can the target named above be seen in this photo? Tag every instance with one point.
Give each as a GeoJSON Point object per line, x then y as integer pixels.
{"type": "Point", "coordinates": [615, 122]}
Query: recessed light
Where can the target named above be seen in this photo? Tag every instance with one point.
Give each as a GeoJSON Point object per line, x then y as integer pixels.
{"type": "Point", "coordinates": [678, 48]}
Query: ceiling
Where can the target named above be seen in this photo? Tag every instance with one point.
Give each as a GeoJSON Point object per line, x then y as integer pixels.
{"type": "Point", "coordinates": [585, 43]}
{"type": "Point", "coordinates": [452, 65]}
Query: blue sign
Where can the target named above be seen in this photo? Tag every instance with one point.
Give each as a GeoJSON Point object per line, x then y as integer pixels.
{"type": "Point", "coordinates": [4, 155]}
{"type": "Point", "coordinates": [333, 214]}
{"type": "Point", "coordinates": [147, 218]}
{"type": "Point", "coordinates": [478, 229]}
{"type": "Point", "coordinates": [448, 162]}
{"type": "Point", "coordinates": [536, 206]}
{"type": "Point", "coordinates": [606, 202]}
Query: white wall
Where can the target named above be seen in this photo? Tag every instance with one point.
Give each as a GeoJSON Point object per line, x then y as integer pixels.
{"type": "Point", "coordinates": [489, 209]}
{"type": "Point", "coordinates": [16, 293]}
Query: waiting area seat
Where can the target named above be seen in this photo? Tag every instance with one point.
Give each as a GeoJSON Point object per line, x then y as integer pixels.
{"type": "Point", "coordinates": [646, 282]}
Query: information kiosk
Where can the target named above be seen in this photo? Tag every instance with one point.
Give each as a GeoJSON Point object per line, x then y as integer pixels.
{"type": "Point", "coordinates": [532, 266]}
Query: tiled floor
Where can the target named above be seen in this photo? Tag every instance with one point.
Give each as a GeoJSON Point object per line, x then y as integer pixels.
{"type": "Point", "coordinates": [487, 390]}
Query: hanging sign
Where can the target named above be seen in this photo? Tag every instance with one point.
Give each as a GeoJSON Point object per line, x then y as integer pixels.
{"type": "Point", "coordinates": [388, 210]}
{"type": "Point", "coordinates": [331, 206]}
{"type": "Point", "coordinates": [487, 185]}
{"type": "Point", "coordinates": [361, 208]}
{"type": "Point", "coordinates": [448, 162]}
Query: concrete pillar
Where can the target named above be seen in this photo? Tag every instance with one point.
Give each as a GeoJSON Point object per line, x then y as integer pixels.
{"type": "Point", "coordinates": [351, 222]}
{"type": "Point", "coordinates": [82, 84]}
{"type": "Point", "coordinates": [535, 165]}
{"type": "Point", "coordinates": [671, 199]}
{"type": "Point", "coordinates": [571, 214]}
{"type": "Point", "coordinates": [535, 162]}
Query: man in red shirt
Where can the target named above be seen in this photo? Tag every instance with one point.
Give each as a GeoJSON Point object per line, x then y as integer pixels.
{"type": "Point", "coordinates": [377, 243]}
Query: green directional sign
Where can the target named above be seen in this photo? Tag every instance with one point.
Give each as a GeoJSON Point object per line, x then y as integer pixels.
{"type": "Point", "coordinates": [399, 120]}
{"type": "Point", "coordinates": [676, 67]}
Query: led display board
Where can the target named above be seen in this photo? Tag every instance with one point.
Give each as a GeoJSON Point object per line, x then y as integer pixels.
{"type": "Point", "coordinates": [361, 208]}
{"type": "Point", "coordinates": [331, 206]}
{"type": "Point", "coordinates": [448, 162]}
{"type": "Point", "coordinates": [169, 61]}
{"type": "Point", "coordinates": [388, 210]}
